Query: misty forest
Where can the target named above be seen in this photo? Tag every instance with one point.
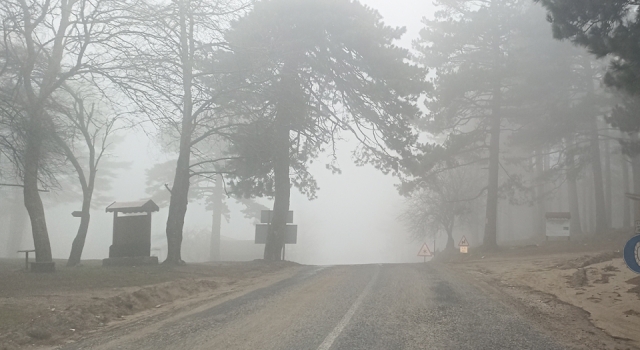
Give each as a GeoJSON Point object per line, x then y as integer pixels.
{"type": "Point", "coordinates": [494, 113]}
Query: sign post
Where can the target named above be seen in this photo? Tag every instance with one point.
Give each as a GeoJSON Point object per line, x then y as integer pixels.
{"type": "Point", "coordinates": [425, 252]}
{"type": "Point", "coordinates": [464, 245]}
{"type": "Point", "coordinates": [262, 230]}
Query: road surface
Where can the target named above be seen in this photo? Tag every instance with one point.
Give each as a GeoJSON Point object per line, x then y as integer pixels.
{"type": "Point", "coordinates": [407, 306]}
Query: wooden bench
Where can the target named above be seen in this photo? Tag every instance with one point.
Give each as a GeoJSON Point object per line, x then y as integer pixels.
{"type": "Point", "coordinates": [26, 257]}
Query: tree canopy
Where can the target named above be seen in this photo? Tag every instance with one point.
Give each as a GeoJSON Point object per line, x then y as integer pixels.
{"type": "Point", "coordinates": [317, 69]}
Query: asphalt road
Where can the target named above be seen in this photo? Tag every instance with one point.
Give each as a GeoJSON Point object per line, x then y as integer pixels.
{"type": "Point", "coordinates": [409, 306]}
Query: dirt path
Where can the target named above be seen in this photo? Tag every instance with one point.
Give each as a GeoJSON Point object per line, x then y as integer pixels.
{"type": "Point", "coordinates": [570, 288]}
{"type": "Point", "coordinates": [39, 310]}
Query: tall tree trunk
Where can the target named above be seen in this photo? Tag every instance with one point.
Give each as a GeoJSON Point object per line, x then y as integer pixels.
{"type": "Point", "coordinates": [451, 245]}
{"type": "Point", "coordinates": [598, 183]}
{"type": "Point", "coordinates": [217, 199]}
{"type": "Point", "coordinates": [572, 189]}
{"type": "Point", "coordinates": [608, 195]}
{"type": "Point", "coordinates": [490, 240]}
{"type": "Point", "coordinates": [491, 225]}
{"type": "Point", "coordinates": [591, 207]}
{"type": "Point", "coordinates": [626, 205]}
{"type": "Point", "coordinates": [32, 200]}
{"type": "Point", "coordinates": [178, 207]}
{"type": "Point", "coordinates": [87, 194]}
{"type": "Point", "coordinates": [290, 89]}
{"type": "Point", "coordinates": [36, 132]}
{"type": "Point", "coordinates": [491, 222]}
{"type": "Point", "coordinates": [586, 200]}
{"type": "Point", "coordinates": [180, 190]}
{"type": "Point", "coordinates": [594, 152]}
{"type": "Point", "coordinates": [78, 243]}
{"type": "Point", "coordinates": [275, 236]}
{"type": "Point", "coordinates": [540, 196]}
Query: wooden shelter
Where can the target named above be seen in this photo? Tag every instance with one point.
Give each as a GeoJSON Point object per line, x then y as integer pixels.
{"type": "Point", "coordinates": [131, 232]}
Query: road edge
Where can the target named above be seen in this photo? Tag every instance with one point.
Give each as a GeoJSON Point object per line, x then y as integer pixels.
{"type": "Point", "coordinates": [568, 324]}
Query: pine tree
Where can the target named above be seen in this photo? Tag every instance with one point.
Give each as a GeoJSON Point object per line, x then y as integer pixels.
{"type": "Point", "coordinates": [316, 69]}
{"type": "Point", "coordinates": [468, 46]}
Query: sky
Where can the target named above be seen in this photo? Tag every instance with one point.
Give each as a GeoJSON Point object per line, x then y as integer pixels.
{"type": "Point", "coordinates": [353, 220]}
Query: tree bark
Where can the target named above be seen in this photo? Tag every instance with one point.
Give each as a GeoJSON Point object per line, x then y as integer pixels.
{"type": "Point", "coordinates": [281, 162]}
{"type": "Point", "coordinates": [586, 207]}
{"type": "Point", "coordinates": [626, 202]}
{"type": "Point", "coordinates": [275, 237]}
{"type": "Point", "coordinates": [491, 224]}
{"type": "Point", "coordinates": [601, 226]}
{"type": "Point", "coordinates": [35, 110]}
{"type": "Point", "coordinates": [180, 191]}
{"type": "Point", "coordinates": [217, 199]}
{"type": "Point", "coordinates": [598, 183]}
{"type": "Point", "coordinates": [450, 242]}
{"type": "Point", "coordinates": [87, 187]}
{"type": "Point", "coordinates": [572, 190]}
{"type": "Point", "coordinates": [178, 208]}
{"type": "Point", "coordinates": [78, 243]}
{"type": "Point", "coordinates": [608, 195]}
{"type": "Point", "coordinates": [490, 239]}
{"type": "Point", "coordinates": [32, 200]}
{"type": "Point", "coordinates": [540, 196]}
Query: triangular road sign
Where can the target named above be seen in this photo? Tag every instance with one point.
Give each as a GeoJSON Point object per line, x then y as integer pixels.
{"type": "Point", "coordinates": [424, 251]}
{"type": "Point", "coordinates": [463, 242]}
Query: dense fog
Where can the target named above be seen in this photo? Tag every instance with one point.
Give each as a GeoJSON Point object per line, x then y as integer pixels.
{"type": "Point", "coordinates": [556, 148]}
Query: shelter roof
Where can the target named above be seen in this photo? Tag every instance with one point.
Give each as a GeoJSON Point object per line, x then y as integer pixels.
{"type": "Point", "coordinates": [143, 206]}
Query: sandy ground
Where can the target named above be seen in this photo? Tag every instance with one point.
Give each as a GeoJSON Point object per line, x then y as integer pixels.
{"type": "Point", "coordinates": [48, 309]}
{"type": "Point", "coordinates": [595, 280]}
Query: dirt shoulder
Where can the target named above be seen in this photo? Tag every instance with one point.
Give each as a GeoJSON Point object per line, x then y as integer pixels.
{"type": "Point", "coordinates": [48, 309]}
{"type": "Point", "coordinates": [588, 282]}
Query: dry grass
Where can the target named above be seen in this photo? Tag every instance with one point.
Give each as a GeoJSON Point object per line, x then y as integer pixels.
{"type": "Point", "coordinates": [46, 308]}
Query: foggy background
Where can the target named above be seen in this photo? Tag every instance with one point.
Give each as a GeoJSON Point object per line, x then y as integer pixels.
{"type": "Point", "coordinates": [353, 220]}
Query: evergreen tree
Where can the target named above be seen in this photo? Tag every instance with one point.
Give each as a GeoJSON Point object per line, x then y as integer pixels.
{"type": "Point", "coordinates": [562, 108]}
{"type": "Point", "coordinates": [609, 27]}
{"type": "Point", "coordinates": [468, 46]}
{"type": "Point", "coordinates": [317, 68]}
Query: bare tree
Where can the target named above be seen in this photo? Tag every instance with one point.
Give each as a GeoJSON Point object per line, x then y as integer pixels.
{"type": "Point", "coordinates": [161, 66]}
{"type": "Point", "coordinates": [93, 132]}
{"type": "Point", "coordinates": [442, 199]}
{"type": "Point", "coordinates": [47, 44]}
